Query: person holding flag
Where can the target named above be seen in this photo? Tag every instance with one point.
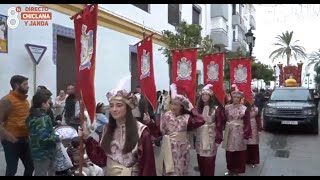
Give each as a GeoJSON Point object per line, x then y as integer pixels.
{"type": "Point", "coordinates": [174, 127]}
{"type": "Point", "coordinates": [209, 135]}
{"type": "Point", "coordinates": [237, 132]}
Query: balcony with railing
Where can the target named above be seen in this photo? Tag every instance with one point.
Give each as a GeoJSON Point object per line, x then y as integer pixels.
{"type": "Point", "coordinates": [252, 22]}
{"type": "Point", "coordinates": [239, 41]}
{"type": "Point", "coordinates": [220, 10]}
{"type": "Point", "coordinates": [236, 44]}
{"type": "Point", "coordinates": [238, 21]}
{"type": "Point", "coordinates": [219, 37]}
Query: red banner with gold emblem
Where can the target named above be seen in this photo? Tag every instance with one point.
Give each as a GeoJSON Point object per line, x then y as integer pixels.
{"type": "Point", "coordinates": [85, 26]}
{"type": "Point", "coordinates": [184, 63]}
{"type": "Point", "coordinates": [213, 73]}
{"type": "Point", "coordinates": [290, 72]}
{"type": "Point", "coordinates": [281, 76]}
{"type": "Point", "coordinates": [145, 70]}
{"type": "Point", "coordinates": [299, 71]}
{"type": "Point", "coordinates": [240, 75]}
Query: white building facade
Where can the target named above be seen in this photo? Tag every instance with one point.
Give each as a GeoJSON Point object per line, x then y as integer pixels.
{"type": "Point", "coordinates": [227, 27]}
{"type": "Point", "coordinates": [120, 27]}
{"type": "Point", "coordinates": [230, 23]}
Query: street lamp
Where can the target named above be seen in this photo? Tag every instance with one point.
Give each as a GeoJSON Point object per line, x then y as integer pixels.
{"type": "Point", "coordinates": [275, 76]}
{"type": "Point", "coordinates": [308, 75]}
{"type": "Point", "coordinates": [250, 39]}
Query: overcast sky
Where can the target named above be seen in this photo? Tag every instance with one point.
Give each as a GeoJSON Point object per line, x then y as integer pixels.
{"type": "Point", "coordinates": [273, 20]}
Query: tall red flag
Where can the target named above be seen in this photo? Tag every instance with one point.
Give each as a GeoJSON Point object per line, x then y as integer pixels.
{"type": "Point", "coordinates": [145, 70]}
{"type": "Point", "coordinates": [213, 70]}
{"type": "Point", "coordinates": [184, 72]}
{"type": "Point", "coordinates": [85, 25]}
{"type": "Point", "coordinates": [240, 75]}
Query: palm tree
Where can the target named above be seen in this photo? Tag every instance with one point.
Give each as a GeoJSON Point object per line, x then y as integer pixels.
{"type": "Point", "coordinates": [287, 47]}
{"type": "Point", "coordinates": [314, 58]}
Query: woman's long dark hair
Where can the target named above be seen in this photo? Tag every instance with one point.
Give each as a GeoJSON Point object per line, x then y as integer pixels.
{"type": "Point", "coordinates": [132, 136]}
{"type": "Point", "coordinates": [200, 104]}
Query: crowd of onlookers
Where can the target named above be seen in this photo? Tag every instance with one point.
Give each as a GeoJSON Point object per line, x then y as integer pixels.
{"type": "Point", "coordinates": [27, 130]}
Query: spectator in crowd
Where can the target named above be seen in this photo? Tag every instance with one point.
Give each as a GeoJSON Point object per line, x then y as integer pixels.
{"type": "Point", "coordinates": [42, 136]}
{"type": "Point", "coordinates": [14, 109]}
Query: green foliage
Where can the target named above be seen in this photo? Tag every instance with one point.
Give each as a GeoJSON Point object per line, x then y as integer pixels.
{"type": "Point", "coordinates": [317, 79]}
{"type": "Point", "coordinates": [286, 47]}
{"type": "Point", "coordinates": [314, 58]}
{"type": "Point", "coordinates": [186, 36]}
{"type": "Point", "coordinates": [262, 71]}
{"type": "Point", "coordinates": [241, 52]}
{"type": "Point", "coordinates": [318, 70]}
{"type": "Point", "coordinates": [189, 36]}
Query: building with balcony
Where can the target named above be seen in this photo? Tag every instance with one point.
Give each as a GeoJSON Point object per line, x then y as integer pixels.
{"type": "Point", "coordinates": [220, 27]}
{"type": "Point", "coordinates": [230, 23]}
{"type": "Point", "coordinates": [120, 27]}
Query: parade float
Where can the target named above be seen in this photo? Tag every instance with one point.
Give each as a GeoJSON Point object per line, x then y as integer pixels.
{"type": "Point", "coordinates": [290, 76]}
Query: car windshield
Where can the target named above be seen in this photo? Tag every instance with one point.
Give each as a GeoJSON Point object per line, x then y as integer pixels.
{"type": "Point", "coordinates": [290, 95]}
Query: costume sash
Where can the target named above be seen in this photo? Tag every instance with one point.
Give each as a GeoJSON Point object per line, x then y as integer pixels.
{"type": "Point", "coordinates": [166, 151]}
{"type": "Point", "coordinates": [228, 130]}
{"type": "Point", "coordinates": [204, 135]}
{"type": "Point", "coordinates": [116, 169]}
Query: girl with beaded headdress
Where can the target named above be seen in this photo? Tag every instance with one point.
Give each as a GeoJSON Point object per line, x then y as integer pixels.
{"type": "Point", "coordinates": [236, 134]}
{"type": "Point", "coordinates": [209, 135]}
{"type": "Point", "coordinates": [125, 148]}
{"type": "Point", "coordinates": [174, 127]}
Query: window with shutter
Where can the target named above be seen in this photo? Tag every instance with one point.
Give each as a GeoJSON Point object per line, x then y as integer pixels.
{"type": "Point", "coordinates": [196, 15]}
{"type": "Point", "coordinates": [144, 7]}
{"type": "Point", "coordinates": [234, 11]}
{"type": "Point", "coordinates": [173, 14]}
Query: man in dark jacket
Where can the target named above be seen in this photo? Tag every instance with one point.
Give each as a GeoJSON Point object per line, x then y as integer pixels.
{"type": "Point", "coordinates": [259, 100]}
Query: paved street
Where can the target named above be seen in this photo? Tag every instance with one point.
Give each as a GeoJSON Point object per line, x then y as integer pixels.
{"type": "Point", "coordinates": [303, 159]}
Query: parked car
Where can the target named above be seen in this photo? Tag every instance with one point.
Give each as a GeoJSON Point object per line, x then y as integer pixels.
{"type": "Point", "coordinates": [293, 106]}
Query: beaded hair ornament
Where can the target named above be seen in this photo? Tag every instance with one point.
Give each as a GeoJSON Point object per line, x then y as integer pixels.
{"type": "Point", "coordinates": [184, 101]}
{"type": "Point", "coordinates": [207, 90]}
{"type": "Point", "coordinates": [121, 94]}
{"type": "Point", "coordinates": [236, 90]}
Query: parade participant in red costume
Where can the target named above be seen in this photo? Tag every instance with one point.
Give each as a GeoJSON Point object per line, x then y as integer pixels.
{"type": "Point", "coordinates": [253, 157]}
{"type": "Point", "coordinates": [125, 148]}
{"type": "Point", "coordinates": [174, 126]}
{"type": "Point", "coordinates": [237, 132]}
{"type": "Point", "coordinates": [209, 135]}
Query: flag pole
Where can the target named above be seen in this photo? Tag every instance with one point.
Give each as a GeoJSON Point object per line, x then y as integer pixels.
{"type": "Point", "coordinates": [80, 12]}
{"type": "Point", "coordinates": [81, 109]}
{"type": "Point", "coordinates": [146, 101]}
{"type": "Point", "coordinates": [82, 117]}
{"type": "Point", "coordinates": [89, 7]}
{"type": "Point", "coordinates": [143, 31]}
